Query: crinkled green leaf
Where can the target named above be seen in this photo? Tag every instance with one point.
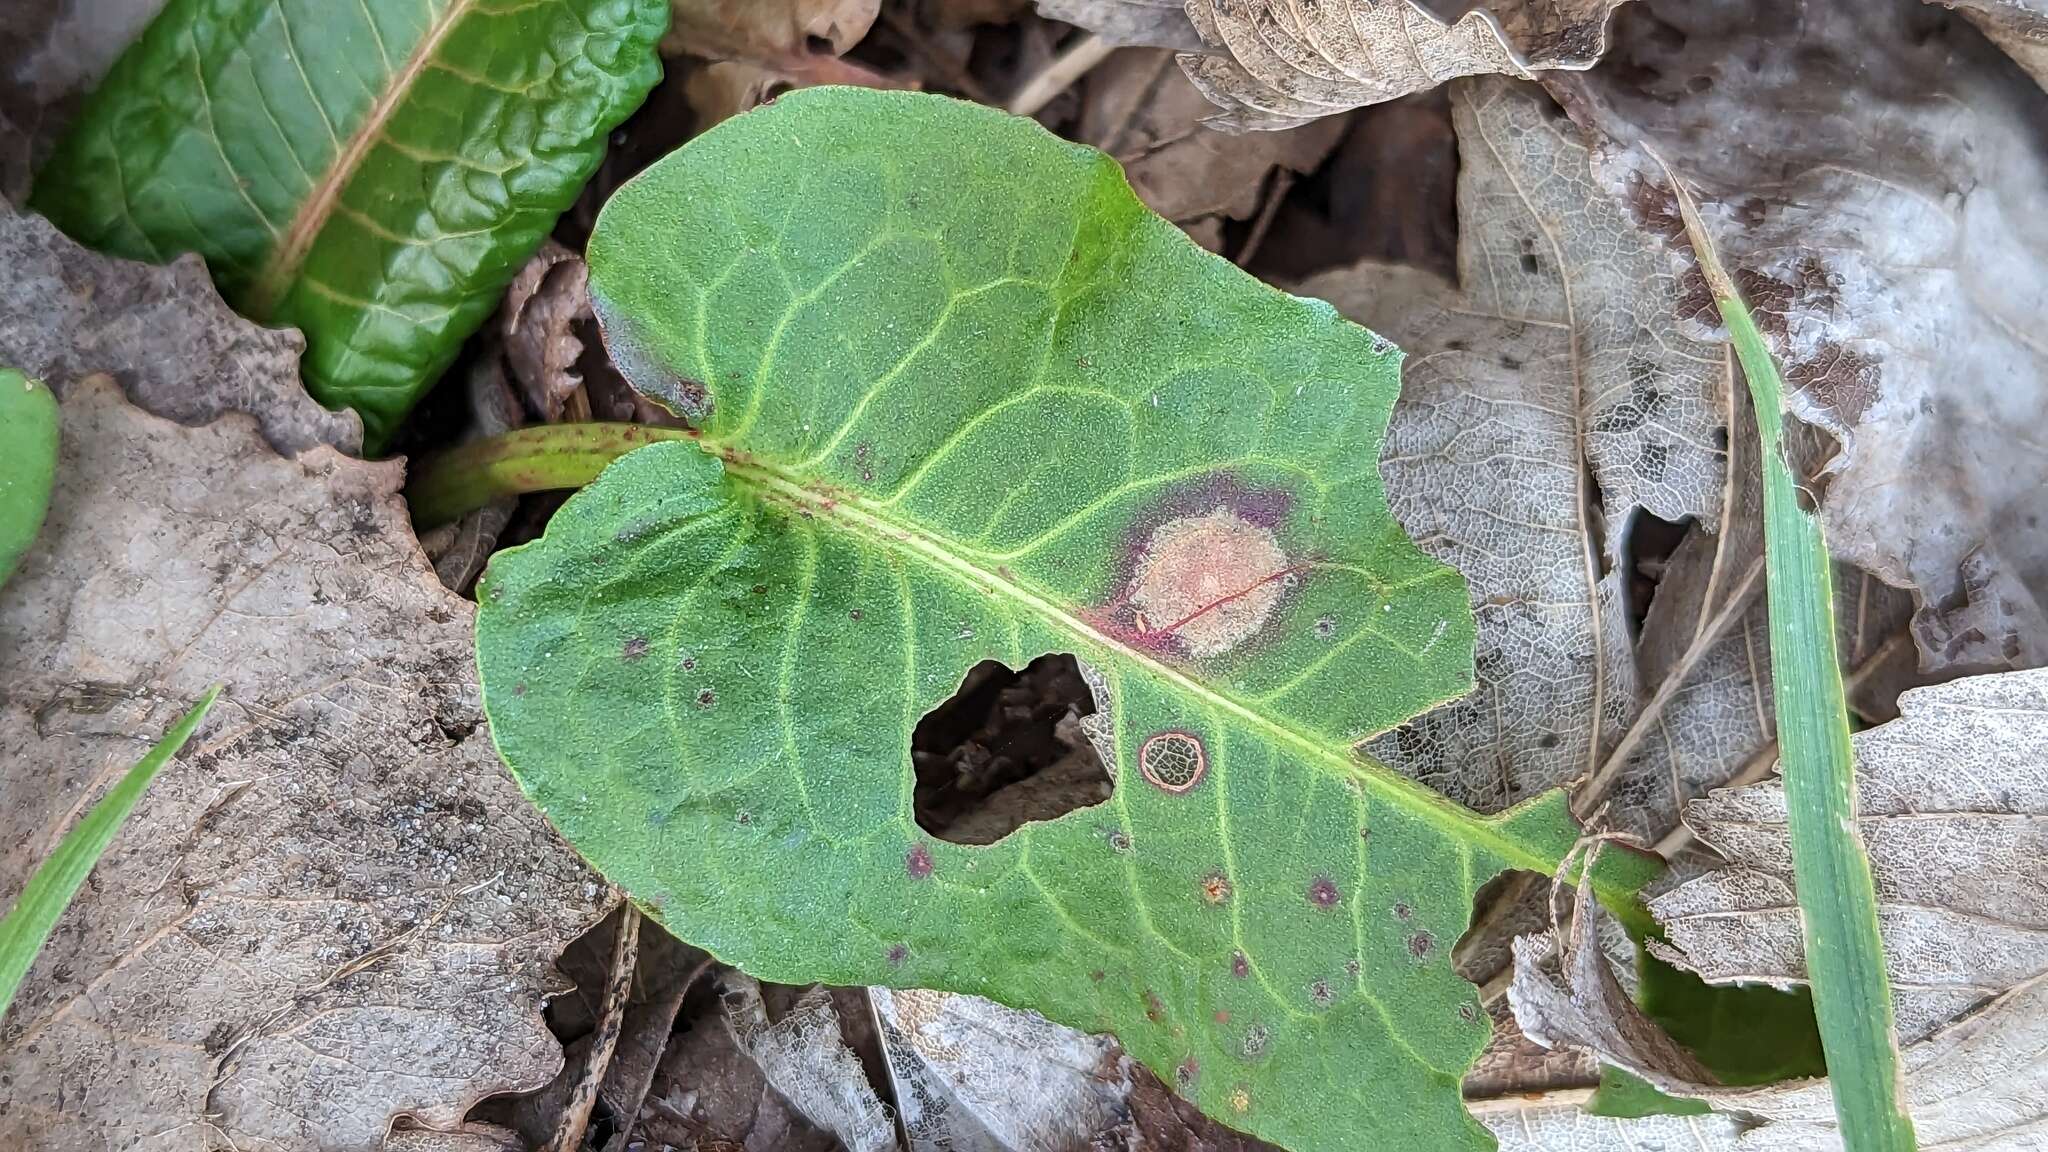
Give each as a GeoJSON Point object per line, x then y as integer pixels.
{"type": "Point", "coordinates": [28, 463]}
{"type": "Point", "coordinates": [963, 398]}
{"type": "Point", "coordinates": [370, 172]}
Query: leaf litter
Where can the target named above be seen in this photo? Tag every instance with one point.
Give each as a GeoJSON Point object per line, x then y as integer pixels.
{"type": "Point", "coordinates": [1692, 585]}
{"type": "Point", "coordinates": [1952, 799]}
{"type": "Point", "coordinates": [338, 869]}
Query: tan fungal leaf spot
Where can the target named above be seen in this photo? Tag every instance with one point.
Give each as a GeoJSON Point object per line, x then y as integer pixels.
{"type": "Point", "coordinates": [1420, 944]}
{"type": "Point", "coordinates": [1185, 1075]}
{"type": "Point", "coordinates": [1215, 888]}
{"type": "Point", "coordinates": [1210, 581]}
{"type": "Point", "coordinates": [1240, 967]}
{"type": "Point", "coordinates": [634, 648]}
{"type": "Point", "coordinates": [1173, 760]}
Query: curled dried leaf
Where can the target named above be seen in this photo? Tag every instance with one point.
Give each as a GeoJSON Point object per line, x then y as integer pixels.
{"type": "Point", "coordinates": [1275, 63]}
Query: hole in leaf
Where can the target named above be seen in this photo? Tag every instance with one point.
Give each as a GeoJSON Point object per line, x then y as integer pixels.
{"type": "Point", "coordinates": [1649, 544]}
{"type": "Point", "coordinates": [1005, 750]}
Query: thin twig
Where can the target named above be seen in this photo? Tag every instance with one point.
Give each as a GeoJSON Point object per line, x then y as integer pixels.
{"type": "Point", "coordinates": [575, 1116]}
{"type": "Point", "coordinates": [1595, 790]}
{"type": "Point", "coordinates": [1765, 759]}
{"type": "Point", "coordinates": [1070, 65]}
{"type": "Point", "coordinates": [639, 1091]}
{"type": "Point", "coordinates": [1283, 182]}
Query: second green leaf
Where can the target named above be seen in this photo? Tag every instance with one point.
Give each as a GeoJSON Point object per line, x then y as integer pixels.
{"type": "Point", "coordinates": [371, 173]}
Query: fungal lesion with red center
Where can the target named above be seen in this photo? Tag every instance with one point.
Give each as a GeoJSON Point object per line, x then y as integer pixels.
{"type": "Point", "coordinates": [1206, 581]}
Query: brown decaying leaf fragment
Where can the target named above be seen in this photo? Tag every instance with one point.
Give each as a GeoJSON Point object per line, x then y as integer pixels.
{"type": "Point", "coordinates": [1877, 172]}
{"type": "Point", "coordinates": [1952, 799]}
{"type": "Point", "coordinates": [337, 908]}
{"type": "Point", "coordinates": [2020, 27]}
{"type": "Point", "coordinates": [178, 350]}
{"type": "Point", "coordinates": [536, 322]}
{"type": "Point", "coordinates": [766, 31]}
{"type": "Point", "coordinates": [1276, 63]}
{"type": "Point", "coordinates": [1140, 109]}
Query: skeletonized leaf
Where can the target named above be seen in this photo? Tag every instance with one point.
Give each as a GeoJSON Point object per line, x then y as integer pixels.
{"type": "Point", "coordinates": [1870, 168]}
{"type": "Point", "coordinates": [970, 1074]}
{"type": "Point", "coordinates": [335, 908]}
{"type": "Point", "coordinates": [1558, 1122]}
{"type": "Point", "coordinates": [1277, 63]}
{"type": "Point", "coordinates": [371, 174]}
{"type": "Point", "coordinates": [1544, 400]}
{"type": "Point", "coordinates": [1056, 425]}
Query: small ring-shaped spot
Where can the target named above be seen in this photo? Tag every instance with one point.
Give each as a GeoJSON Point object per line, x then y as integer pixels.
{"type": "Point", "coordinates": [1173, 760]}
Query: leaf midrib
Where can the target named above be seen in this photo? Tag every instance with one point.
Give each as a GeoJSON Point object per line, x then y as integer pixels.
{"type": "Point", "coordinates": [866, 520]}
{"type": "Point", "coordinates": [282, 266]}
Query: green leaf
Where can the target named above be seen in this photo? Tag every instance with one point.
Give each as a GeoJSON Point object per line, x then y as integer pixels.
{"type": "Point", "coordinates": [1837, 899]}
{"type": "Point", "coordinates": [1627, 1096]}
{"type": "Point", "coordinates": [50, 890]}
{"type": "Point", "coordinates": [28, 463]}
{"type": "Point", "coordinates": [962, 397]}
{"type": "Point", "coordinates": [371, 173]}
{"type": "Point", "coordinates": [1743, 1033]}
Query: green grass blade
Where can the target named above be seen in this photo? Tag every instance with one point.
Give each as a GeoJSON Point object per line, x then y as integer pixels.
{"type": "Point", "coordinates": [50, 890]}
{"type": "Point", "coordinates": [1837, 900]}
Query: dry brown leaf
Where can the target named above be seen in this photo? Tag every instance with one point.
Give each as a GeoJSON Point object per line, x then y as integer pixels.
{"type": "Point", "coordinates": [1540, 404]}
{"type": "Point", "coordinates": [1277, 63]}
{"type": "Point", "coordinates": [336, 908]}
{"type": "Point", "coordinates": [1952, 801]}
{"type": "Point", "coordinates": [55, 51]}
{"type": "Point", "coordinates": [178, 350]}
{"type": "Point", "coordinates": [1558, 1122]}
{"type": "Point", "coordinates": [1978, 1085]}
{"type": "Point", "coordinates": [718, 92]}
{"type": "Point", "coordinates": [1141, 110]}
{"type": "Point", "coordinates": [536, 322]}
{"type": "Point", "coordinates": [2020, 27]}
{"type": "Point", "coordinates": [1137, 23]}
{"type": "Point", "coordinates": [1874, 173]}
{"type": "Point", "coordinates": [766, 31]}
